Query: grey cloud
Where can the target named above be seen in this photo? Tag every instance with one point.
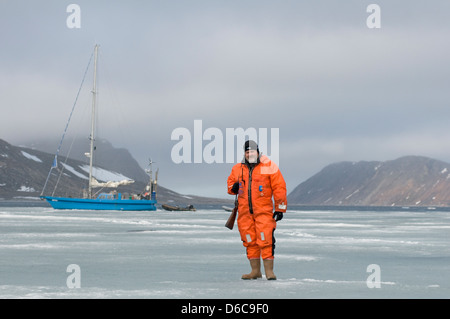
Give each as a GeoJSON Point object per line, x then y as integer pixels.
{"type": "Point", "coordinates": [335, 89]}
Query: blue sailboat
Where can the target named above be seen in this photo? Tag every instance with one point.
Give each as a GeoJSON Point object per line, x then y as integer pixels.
{"type": "Point", "coordinates": [103, 201]}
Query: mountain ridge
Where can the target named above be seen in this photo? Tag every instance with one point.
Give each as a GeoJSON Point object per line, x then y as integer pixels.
{"type": "Point", "coordinates": [405, 181]}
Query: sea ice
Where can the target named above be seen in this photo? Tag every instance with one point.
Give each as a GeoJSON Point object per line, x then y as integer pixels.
{"type": "Point", "coordinates": [318, 254]}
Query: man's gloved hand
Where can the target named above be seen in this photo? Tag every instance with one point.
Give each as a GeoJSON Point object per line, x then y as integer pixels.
{"type": "Point", "coordinates": [278, 216]}
{"type": "Point", "coordinates": [235, 188]}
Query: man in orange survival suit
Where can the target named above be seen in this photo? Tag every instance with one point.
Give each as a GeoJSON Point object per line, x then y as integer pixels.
{"type": "Point", "coordinates": [256, 180]}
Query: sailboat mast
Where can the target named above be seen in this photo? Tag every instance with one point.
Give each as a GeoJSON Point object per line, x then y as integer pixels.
{"type": "Point", "coordinates": [94, 97]}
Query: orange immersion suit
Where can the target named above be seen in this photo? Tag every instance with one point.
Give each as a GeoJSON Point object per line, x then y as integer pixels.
{"type": "Point", "coordinates": [257, 184]}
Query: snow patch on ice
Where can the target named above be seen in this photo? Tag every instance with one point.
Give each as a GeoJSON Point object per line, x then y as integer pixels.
{"type": "Point", "coordinates": [31, 246]}
{"type": "Point", "coordinates": [433, 286]}
{"type": "Point", "coordinates": [331, 281]}
{"type": "Point", "coordinates": [296, 257]}
{"type": "Point", "coordinates": [298, 234]}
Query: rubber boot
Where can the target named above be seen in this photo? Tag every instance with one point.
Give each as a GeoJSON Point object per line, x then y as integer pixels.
{"type": "Point", "coordinates": [256, 270]}
{"type": "Point", "coordinates": [268, 267]}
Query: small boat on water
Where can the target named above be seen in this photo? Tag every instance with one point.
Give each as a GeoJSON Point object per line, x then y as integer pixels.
{"type": "Point", "coordinates": [178, 208]}
{"type": "Point", "coordinates": [228, 208]}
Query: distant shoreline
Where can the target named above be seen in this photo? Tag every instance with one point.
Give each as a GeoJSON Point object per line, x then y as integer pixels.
{"type": "Point", "coordinates": [23, 203]}
{"type": "Point", "coordinates": [371, 208]}
{"type": "Point", "coordinates": [40, 203]}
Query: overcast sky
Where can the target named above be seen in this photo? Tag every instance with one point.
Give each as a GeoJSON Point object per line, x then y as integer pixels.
{"type": "Point", "coordinates": [336, 89]}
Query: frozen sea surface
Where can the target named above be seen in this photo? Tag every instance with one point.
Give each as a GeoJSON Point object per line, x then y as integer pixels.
{"type": "Point", "coordinates": [319, 254]}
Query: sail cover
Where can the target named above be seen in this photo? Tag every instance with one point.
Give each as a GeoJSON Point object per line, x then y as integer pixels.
{"type": "Point", "coordinates": [95, 183]}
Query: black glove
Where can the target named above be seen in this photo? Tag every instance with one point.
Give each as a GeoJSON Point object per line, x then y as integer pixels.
{"type": "Point", "coordinates": [235, 188]}
{"type": "Point", "coordinates": [278, 216]}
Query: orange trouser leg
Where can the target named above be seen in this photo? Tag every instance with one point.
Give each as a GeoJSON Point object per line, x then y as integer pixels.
{"type": "Point", "coordinates": [265, 228]}
{"type": "Point", "coordinates": [257, 234]}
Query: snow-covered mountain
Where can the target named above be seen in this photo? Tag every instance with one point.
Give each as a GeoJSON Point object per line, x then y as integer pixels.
{"type": "Point", "coordinates": [406, 181]}
{"type": "Point", "coordinates": [106, 155]}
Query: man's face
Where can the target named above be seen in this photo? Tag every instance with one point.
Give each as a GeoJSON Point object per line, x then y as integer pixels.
{"type": "Point", "coordinates": [251, 156]}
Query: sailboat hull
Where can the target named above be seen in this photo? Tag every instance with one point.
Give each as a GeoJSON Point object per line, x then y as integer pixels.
{"type": "Point", "coordinates": [101, 204]}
